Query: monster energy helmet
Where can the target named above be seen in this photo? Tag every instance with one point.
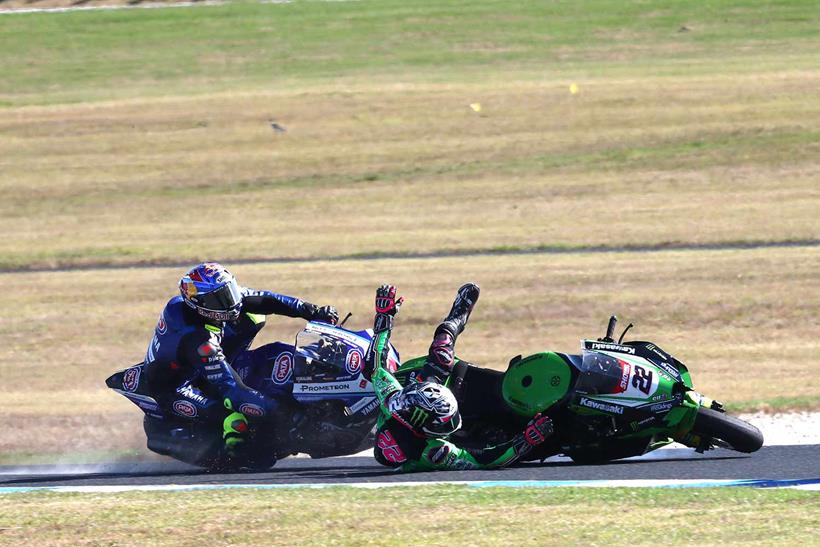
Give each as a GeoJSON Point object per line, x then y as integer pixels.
{"type": "Point", "coordinates": [427, 408]}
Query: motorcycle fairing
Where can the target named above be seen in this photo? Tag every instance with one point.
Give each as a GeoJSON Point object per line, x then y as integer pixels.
{"type": "Point", "coordinates": [268, 369]}
{"type": "Point", "coordinates": [131, 384]}
{"type": "Point", "coordinates": [535, 383]}
{"type": "Point", "coordinates": [328, 364]}
{"type": "Point", "coordinates": [646, 350]}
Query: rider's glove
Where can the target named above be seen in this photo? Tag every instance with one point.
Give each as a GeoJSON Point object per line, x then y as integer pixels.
{"type": "Point", "coordinates": [536, 432]}
{"type": "Point", "coordinates": [387, 306]}
{"type": "Point", "coordinates": [326, 314]}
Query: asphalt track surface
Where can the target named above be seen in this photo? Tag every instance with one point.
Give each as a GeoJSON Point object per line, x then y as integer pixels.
{"type": "Point", "coordinates": [799, 462]}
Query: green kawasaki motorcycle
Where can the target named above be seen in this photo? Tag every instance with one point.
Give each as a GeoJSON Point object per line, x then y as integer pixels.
{"type": "Point", "coordinates": [614, 400]}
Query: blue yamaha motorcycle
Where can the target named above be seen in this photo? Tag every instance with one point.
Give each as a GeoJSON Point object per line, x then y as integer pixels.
{"type": "Point", "coordinates": [327, 406]}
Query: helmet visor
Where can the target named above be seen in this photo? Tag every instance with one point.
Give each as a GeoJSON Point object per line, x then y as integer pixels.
{"type": "Point", "coordinates": [226, 297]}
{"type": "Point", "coordinates": [442, 427]}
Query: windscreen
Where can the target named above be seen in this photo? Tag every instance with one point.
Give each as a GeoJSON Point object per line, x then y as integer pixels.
{"type": "Point", "coordinates": [601, 373]}
{"type": "Point", "coordinates": [323, 354]}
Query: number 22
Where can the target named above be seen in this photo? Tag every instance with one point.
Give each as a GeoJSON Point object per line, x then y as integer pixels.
{"type": "Point", "coordinates": [642, 379]}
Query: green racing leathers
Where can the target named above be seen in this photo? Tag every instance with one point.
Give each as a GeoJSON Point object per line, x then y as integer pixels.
{"type": "Point", "coordinates": [400, 445]}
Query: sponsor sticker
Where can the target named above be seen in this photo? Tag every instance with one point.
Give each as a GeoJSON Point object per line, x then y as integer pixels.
{"type": "Point", "coordinates": [191, 393]}
{"type": "Point", "coordinates": [623, 383]}
{"type": "Point", "coordinates": [661, 407]}
{"type": "Point", "coordinates": [354, 361]}
{"type": "Point", "coordinates": [373, 405]}
{"type": "Point", "coordinates": [438, 455]}
{"type": "Point", "coordinates": [604, 407]}
{"type": "Point", "coordinates": [314, 388]}
{"type": "Point", "coordinates": [605, 346]}
{"type": "Point", "coordinates": [251, 410]}
{"type": "Point", "coordinates": [184, 408]}
{"type": "Point", "coordinates": [669, 369]}
{"type": "Point", "coordinates": [131, 379]}
{"type": "Point", "coordinates": [162, 328]}
{"type": "Point", "coordinates": [657, 351]}
{"type": "Point", "coordinates": [282, 368]}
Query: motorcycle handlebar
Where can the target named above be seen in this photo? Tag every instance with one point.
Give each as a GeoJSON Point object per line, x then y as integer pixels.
{"type": "Point", "coordinates": [610, 329]}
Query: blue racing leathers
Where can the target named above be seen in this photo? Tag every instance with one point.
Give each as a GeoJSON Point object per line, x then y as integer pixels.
{"type": "Point", "coordinates": [188, 362]}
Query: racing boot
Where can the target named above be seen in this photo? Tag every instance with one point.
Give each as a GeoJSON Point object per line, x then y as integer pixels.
{"type": "Point", "coordinates": [441, 356]}
{"type": "Point", "coordinates": [234, 434]}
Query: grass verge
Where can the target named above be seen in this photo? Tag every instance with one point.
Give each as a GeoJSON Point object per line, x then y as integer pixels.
{"type": "Point", "coordinates": [450, 515]}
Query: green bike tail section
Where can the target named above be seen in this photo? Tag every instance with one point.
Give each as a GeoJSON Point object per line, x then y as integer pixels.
{"type": "Point", "coordinates": [536, 383]}
{"type": "Point", "coordinates": [530, 385]}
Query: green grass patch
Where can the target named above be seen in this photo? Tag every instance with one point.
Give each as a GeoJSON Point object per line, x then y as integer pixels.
{"type": "Point", "coordinates": [440, 515]}
{"type": "Point", "coordinates": [108, 54]}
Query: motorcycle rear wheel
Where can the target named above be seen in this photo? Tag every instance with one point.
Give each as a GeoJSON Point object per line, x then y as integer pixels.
{"type": "Point", "coordinates": [741, 436]}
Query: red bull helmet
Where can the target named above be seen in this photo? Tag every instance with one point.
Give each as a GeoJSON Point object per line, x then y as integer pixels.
{"type": "Point", "coordinates": [212, 291]}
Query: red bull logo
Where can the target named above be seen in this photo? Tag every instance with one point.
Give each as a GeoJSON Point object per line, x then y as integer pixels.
{"type": "Point", "coordinates": [188, 288]}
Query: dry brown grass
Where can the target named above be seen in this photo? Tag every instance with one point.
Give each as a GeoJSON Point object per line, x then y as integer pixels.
{"type": "Point", "coordinates": [409, 167]}
{"type": "Point", "coordinates": [744, 322]}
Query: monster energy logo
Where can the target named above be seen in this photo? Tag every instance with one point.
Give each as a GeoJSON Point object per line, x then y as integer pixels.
{"type": "Point", "coordinates": [418, 417]}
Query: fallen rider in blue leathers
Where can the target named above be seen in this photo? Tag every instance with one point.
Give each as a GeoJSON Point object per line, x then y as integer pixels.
{"type": "Point", "coordinates": [200, 333]}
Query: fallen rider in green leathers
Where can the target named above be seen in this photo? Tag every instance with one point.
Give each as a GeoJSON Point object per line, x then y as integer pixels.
{"type": "Point", "coordinates": [416, 421]}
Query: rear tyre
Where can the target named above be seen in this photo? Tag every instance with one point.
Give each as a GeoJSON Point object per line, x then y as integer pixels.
{"type": "Point", "coordinates": [741, 436]}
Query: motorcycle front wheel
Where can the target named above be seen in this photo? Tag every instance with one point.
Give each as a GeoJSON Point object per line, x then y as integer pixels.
{"type": "Point", "coordinates": [741, 436]}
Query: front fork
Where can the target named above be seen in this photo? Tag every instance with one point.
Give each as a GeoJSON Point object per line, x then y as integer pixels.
{"type": "Point", "coordinates": [686, 414]}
